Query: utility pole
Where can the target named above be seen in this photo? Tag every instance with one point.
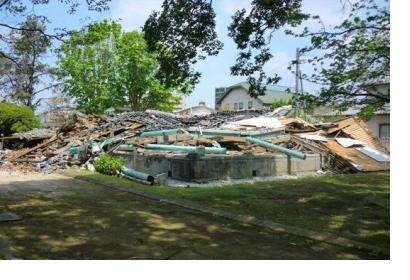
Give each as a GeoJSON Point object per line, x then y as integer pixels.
{"type": "Point", "coordinates": [297, 82]}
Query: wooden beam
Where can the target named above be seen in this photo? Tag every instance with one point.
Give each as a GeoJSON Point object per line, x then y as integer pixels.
{"type": "Point", "coordinates": [52, 139]}
{"type": "Point", "coordinates": [280, 138]}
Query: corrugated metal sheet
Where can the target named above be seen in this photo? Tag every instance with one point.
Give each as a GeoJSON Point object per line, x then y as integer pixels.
{"type": "Point", "coordinates": [374, 154]}
{"type": "Point", "coordinates": [357, 158]}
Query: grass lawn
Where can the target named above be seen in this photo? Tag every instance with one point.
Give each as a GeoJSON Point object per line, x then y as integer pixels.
{"type": "Point", "coordinates": [356, 206]}
{"type": "Point", "coordinates": [63, 218]}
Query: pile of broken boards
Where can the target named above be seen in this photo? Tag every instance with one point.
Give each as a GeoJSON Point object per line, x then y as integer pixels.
{"type": "Point", "coordinates": [346, 146]}
{"type": "Point", "coordinates": [81, 140]}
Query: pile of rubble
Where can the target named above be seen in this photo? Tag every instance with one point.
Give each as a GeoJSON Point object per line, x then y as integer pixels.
{"type": "Point", "coordinates": [348, 145]}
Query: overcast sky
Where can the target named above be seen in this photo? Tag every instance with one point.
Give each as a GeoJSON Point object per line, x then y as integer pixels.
{"type": "Point", "coordinates": [215, 70]}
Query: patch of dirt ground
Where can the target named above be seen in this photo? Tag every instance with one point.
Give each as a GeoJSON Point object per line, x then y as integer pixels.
{"type": "Point", "coordinates": [63, 218]}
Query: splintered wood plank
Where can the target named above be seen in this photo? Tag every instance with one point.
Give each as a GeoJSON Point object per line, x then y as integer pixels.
{"type": "Point", "coordinates": [23, 153]}
{"type": "Point", "coordinates": [280, 138]}
{"type": "Point", "coordinates": [352, 155]}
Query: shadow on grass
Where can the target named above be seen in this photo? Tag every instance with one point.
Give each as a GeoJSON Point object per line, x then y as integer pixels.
{"type": "Point", "coordinates": [68, 219]}
{"type": "Point", "coordinates": [355, 206]}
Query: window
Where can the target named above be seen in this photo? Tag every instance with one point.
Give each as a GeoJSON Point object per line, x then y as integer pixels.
{"type": "Point", "coordinates": [240, 105]}
{"type": "Point", "coordinates": [249, 104]}
{"type": "Point", "coordinates": [384, 133]}
{"type": "Point", "coordinates": [235, 106]}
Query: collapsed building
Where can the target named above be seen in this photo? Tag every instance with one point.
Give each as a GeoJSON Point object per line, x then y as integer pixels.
{"type": "Point", "coordinates": [219, 146]}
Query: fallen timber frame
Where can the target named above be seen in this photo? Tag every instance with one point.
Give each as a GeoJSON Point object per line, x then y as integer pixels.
{"type": "Point", "coordinates": [52, 139]}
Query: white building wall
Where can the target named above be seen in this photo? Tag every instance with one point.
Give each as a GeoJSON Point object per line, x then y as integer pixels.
{"type": "Point", "coordinates": [374, 125]}
{"type": "Point", "coordinates": [239, 95]}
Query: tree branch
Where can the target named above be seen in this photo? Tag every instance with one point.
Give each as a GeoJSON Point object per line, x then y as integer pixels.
{"type": "Point", "coordinates": [57, 37]}
{"type": "Point", "coordinates": [8, 57]}
{"type": "Point", "coordinates": [47, 88]}
{"type": "Point", "coordinates": [347, 31]}
{"type": "Point", "coordinates": [4, 3]}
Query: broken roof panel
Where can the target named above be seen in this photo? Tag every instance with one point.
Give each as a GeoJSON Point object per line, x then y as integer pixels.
{"type": "Point", "coordinates": [257, 122]}
{"type": "Point", "coordinates": [352, 155]}
{"type": "Point", "coordinates": [358, 130]}
{"type": "Point", "coordinates": [349, 142]}
{"type": "Point", "coordinates": [374, 154]}
{"type": "Point", "coordinates": [313, 137]}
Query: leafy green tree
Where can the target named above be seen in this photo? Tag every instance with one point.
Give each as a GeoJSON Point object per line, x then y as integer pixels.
{"type": "Point", "coordinates": [29, 75]}
{"type": "Point", "coordinates": [10, 9]}
{"type": "Point", "coordinates": [345, 57]}
{"type": "Point", "coordinates": [89, 65]}
{"type": "Point", "coordinates": [138, 73]}
{"type": "Point", "coordinates": [182, 34]}
{"type": "Point", "coordinates": [350, 56]}
{"type": "Point", "coordinates": [106, 67]}
{"type": "Point", "coordinates": [252, 32]}
{"type": "Point", "coordinates": [15, 118]}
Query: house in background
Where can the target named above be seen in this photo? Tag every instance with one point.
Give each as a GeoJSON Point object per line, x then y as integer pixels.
{"type": "Point", "coordinates": [237, 98]}
{"type": "Point", "coordinates": [200, 110]}
{"type": "Point", "coordinates": [219, 93]}
{"type": "Point", "coordinates": [379, 124]}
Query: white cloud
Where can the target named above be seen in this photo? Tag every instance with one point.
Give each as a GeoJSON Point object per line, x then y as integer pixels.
{"type": "Point", "coordinates": [133, 13]}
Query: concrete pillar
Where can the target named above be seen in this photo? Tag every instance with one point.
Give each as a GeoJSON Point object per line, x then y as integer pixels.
{"type": "Point", "coordinates": [289, 163]}
{"type": "Point", "coordinates": [200, 151]}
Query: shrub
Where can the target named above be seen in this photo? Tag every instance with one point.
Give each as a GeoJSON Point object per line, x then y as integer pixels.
{"type": "Point", "coordinates": [109, 165]}
{"type": "Point", "coordinates": [283, 102]}
{"type": "Point", "coordinates": [15, 118]}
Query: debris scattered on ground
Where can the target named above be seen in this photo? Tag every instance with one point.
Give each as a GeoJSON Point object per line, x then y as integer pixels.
{"type": "Point", "coordinates": [346, 146]}
{"type": "Point", "coordinates": [34, 134]}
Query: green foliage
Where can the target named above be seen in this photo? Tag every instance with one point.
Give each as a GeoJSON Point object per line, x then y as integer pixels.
{"type": "Point", "coordinates": [15, 118]}
{"type": "Point", "coordinates": [366, 113]}
{"type": "Point", "coordinates": [109, 165]}
{"type": "Point", "coordinates": [110, 68]}
{"type": "Point", "coordinates": [351, 55]}
{"type": "Point", "coordinates": [283, 102]}
{"type": "Point", "coordinates": [24, 73]}
{"type": "Point", "coordinates": [344, 57]}
{"type": "Point", "coordinates": [252, 32]}
{"type": "Point", "coordinates": [29, 75]}
{"type": "Point", "coordinates": [15, 7]}
{"type": "Point", "coordinates": [182, 34]}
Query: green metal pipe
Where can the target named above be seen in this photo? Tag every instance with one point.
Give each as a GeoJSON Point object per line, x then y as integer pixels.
{"type": "Point", "coordinates": [126, 147]}
{"type": "Point", "coordinates": [187, 149]}
{"type": "Point", "coordinates": [278, 148]}
{"type": "Point", "coordinates": [224, 133]}
{"type": "Point", "coordinates": [215, 132]}
{"type": "Point", "coordinates": [159, 132]}
{"type": "Point", "coordinates": [106, 142]}
{"type": "Point", "coordinates": [268, 134]}
{"type": "Point", "coordinates": [137, 174]}
{"type": "Point", "coordinates": [73, 150]}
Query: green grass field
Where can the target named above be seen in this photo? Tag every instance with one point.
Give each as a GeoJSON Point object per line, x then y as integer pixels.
{"type": "Point", "coordinates": [356, 206]}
